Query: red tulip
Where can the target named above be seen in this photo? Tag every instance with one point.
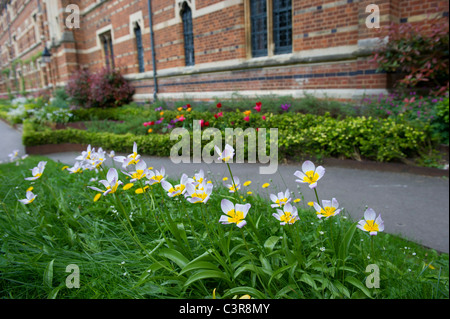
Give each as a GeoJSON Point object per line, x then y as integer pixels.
{"type": "Point", "coordinates": [219, 105]}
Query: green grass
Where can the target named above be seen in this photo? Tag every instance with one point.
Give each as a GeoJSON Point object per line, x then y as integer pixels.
{"type": "Point", "coordinates": [179, 250]}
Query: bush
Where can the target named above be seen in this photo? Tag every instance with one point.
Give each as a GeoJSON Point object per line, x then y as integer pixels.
{"type": "Point", "coordinates": [110, 89]}
{"type": "Point", "coordinates": [421, 54]}
{"type": "Point", "coordinates": [106, 88]}
{"type": "Point", "coordinates": [440, 122]}
{"type": "Point", "coordinates": [79, 88]}
{"type": "Point", "coordinates": [299, 135]}
{"type": "Point", "coordinates": [60, 98]}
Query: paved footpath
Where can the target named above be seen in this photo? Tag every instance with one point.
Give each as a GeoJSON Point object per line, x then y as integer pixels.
{"type": "Point", "coordinates": [411, 205]}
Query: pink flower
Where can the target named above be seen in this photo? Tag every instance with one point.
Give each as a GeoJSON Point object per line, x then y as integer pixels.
{"type": "Point", "coordinates": [258, 107]}
{"type": "Point", "coordinates": [247, 118]}
{"type": "Point", "coordinates": [264, 117]}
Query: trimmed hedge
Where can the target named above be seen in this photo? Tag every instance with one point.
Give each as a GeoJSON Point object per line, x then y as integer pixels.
{"type": "Point", "coordinates": [299, 135]}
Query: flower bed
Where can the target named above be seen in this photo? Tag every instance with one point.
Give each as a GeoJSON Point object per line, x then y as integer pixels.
{"type": "Point", "coordinates": [299, 134]}
{"type": "Point", "coordinates": [136, 233]}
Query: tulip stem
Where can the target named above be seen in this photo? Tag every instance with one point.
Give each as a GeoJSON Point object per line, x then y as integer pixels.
{"type": "Point", "coordinates": [234, 184]}
{"type": "Point", "coordinates": [317, 196]}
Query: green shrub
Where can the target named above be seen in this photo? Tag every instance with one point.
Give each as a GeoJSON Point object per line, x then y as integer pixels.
{"type": "Point", "coordinates": [299, 135]}
{"type": "Point", "coordinates": [440, 122]}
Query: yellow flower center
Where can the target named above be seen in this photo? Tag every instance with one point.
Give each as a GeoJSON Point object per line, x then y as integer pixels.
{"type": "Point", "coordinates": [281, 201]}
{"type": "Point", "coordinates": [327, 211]}
{"type": "Point", "coordinates": [287, 218]}
{"type": "Point", "coordinates": [370, 226]}
{"type": "Point", "coordinates": [311, 177]}
{"type": "Point", "coordinates": [202, 196]}
{"type": "Point", "coordinates": [38, 175]}
{"type": "Point", "coordinates": [138, 174]}
{"type": "Point", "coordinates": [235, 217]}
{"type": "Point", "coordinates": [177, 190]}
{"type": "Point", "coordinates": [114, 188]}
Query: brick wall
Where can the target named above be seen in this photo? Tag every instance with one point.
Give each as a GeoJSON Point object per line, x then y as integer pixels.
{"type": "Point", "coordinates": [330, 45]}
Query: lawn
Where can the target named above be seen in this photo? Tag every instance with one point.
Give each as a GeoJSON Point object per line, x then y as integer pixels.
{"type": "Point", "coordinates": [139, 242]}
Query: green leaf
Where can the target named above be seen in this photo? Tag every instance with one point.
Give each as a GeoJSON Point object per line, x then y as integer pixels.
{"type": "Point", "coordinates": [279, 272]}
{"type": "Point", "coordinates": [342, 289]}
{"type": "Point", "coordinates": [54, 293]}
{"type": "Point", "coordinates": [175, 256]}
{"type": "Point", "coordinates": [246, 267]}
{"type": "Point", "coordinates": [307, 279]}
{"type": "Point", "coordinates": [206, 274]}
{"type": "Point", "coordinates": [200, 264]}
{"type": "Point", "coordinates": [355, 282]}
{"type": "Point", "coordinates": [345, 243]}
{"type": "Point", "coordinates": [48, 274]}
{"type": "Point", "coordinates": [271, 242]}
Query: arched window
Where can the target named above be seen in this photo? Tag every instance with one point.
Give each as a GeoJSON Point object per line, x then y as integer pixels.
{"type": "Point", "coordinates": [186, 16]}
{"type": "Point", "coordinates": [140, 48]}
{"type": "Point", "coordinates": [108, 52]}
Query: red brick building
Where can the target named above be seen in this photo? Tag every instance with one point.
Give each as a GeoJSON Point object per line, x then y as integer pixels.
{"type": "Point", "coordinates": [202, 49]}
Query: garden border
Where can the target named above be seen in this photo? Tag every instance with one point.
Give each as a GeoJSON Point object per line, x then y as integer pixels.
{"type": "Point", "coordinates": [344, 163]}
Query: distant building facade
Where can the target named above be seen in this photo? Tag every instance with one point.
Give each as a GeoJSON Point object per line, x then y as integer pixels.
{"type": "Point", "coordinates": [203, 49]}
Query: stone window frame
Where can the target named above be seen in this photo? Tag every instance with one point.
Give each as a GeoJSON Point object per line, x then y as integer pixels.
{"type": "Point", "coordinates": [136, 19]}
{"type": "Point", "coordinates": [270, 40]}
{"type": "Point", "coordinates": [106, 32]}
{"type": "Point", "coordinates": [188, 63]}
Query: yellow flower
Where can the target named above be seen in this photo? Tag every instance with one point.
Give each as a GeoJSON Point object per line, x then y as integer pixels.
{"type": "Point", "coordinates": [97, 197]}
{"type": "Point", "coordinates": [297, 200]}
{"type": "Point", "coordinates": [431, 266]}
{"type": "Point", "coordinates": [246, 297]}
{"type": "Point", "coordinates": [180, 109]}
{"type": "Point", "coordinates": [247, 113]}
{"type": "Point", "coordinates": [311, 204]}
{"type": "Point", "coordinates": [141, 190]}
{"type": "Point", "coordinates": [64, 167]}
{"type": "Point", "coordinates": [265, 185]}
{"type": "Point", "coordinates": [30, 189]}
{"type": "Point", "coordinates": [189, 109]}
{"type": "Point", "coordinates": [161, 113]}
{"type": "Point", "coordinates": [225, 179]}
{"type": "Point", "coordinates": [247, 183]}
{"type": "Point", "coordinates": [150, 130]}
{"type": "Point", "coordinates": [128, 186]}
{"type": "Point", "coordinates": [249, 193]}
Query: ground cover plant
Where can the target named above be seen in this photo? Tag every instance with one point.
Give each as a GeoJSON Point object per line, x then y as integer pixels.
{"type": "Point", "coordinates": [135, 232]}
